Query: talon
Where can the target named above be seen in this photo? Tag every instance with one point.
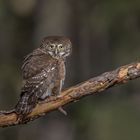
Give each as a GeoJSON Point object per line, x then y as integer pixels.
{"type": "Point", "coordinates": [49, 99]}
{"type": "Point", "coordinates": [62, 111]}
{"type": "Point", "coordinates": [59, 97]}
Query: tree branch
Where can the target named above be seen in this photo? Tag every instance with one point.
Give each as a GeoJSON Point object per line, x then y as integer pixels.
{"type": "Point", "coordinates": [90, 87]}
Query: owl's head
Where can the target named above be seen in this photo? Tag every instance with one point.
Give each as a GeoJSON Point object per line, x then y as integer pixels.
{"type": "Point", "coordinates": [57, 46]}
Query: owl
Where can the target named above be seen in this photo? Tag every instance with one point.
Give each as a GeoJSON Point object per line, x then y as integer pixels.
{"type": "Point", "coordinates": [43, 73]}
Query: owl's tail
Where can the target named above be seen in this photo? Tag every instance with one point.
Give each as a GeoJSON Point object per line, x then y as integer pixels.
{"type": "Point", "coordinates": [24, 106]}
{"type": "Point", "coordinates": [5, 112]}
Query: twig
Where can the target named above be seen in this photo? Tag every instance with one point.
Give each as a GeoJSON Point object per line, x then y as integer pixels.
{"type": "Point", "coordinates": [90, 87]}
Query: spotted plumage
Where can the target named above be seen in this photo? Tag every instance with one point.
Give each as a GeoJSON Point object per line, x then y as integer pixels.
{"type": "Point", "coordinates": [43, 72]}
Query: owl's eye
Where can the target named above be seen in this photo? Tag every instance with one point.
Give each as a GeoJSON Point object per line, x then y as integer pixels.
{"type": "Point", "coordinates": [60, 47]}
{"type": "Point", "coordinates": [51, 46]}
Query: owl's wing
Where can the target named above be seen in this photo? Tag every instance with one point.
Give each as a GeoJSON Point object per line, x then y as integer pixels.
{"type": "Point", "coordinates": [39, 86]}
{"type": "Point", "coordinates": [33, 63]}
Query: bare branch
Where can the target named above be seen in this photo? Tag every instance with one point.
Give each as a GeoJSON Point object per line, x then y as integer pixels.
{"type": "Point", "coordinates": [90, 87]}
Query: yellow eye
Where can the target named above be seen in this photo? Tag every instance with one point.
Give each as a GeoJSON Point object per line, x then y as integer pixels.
{"type": "Point", "coordinates": [51, 46]}
{"type": "Point", "coordinates": [61, 47]}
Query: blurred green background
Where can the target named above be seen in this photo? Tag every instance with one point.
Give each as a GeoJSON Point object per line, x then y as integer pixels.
{"type": "Point", "coordinates": [105, 34]}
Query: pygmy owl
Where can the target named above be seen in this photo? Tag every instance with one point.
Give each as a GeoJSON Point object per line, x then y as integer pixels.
{"type": "Point", "coordinates": [43, 72]}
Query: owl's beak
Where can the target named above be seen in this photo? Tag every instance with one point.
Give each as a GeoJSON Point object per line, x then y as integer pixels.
{"type": "Point", "coordinates": [56, 52]}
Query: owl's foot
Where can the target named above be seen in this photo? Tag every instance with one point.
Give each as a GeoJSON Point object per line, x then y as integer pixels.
{"type": "Point", "coordinates": [62, 111]}
{"type": "Point", "coordinates": [53, 98]}
{"type": "Point", "coordinates": [49, 99]}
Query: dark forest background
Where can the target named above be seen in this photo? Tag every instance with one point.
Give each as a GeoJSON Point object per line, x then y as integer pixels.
{"type": "Point", "coordinates": [105, 34]}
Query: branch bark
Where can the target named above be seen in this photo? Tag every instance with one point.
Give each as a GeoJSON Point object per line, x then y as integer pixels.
{"type": "Point", "coordinates": [90, 87]}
